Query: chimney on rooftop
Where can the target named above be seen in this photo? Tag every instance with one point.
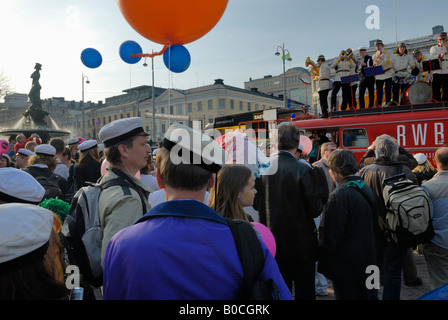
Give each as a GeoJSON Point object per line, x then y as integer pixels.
{"type": "Point", "coordinates": [219, 81]}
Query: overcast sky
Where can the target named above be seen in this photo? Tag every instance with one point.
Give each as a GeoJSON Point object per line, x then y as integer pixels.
{"type": "Point", "coordinates": [240, 46]}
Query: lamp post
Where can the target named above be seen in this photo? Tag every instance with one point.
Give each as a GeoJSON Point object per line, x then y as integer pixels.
{"type": "Point", "coordinates": [153, 133]}
{"type": "Point", "coordinates": [83, 114]}
{"type": "Point", "coordinates": [285, 56]}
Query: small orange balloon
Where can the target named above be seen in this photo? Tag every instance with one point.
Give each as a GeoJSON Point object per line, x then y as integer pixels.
{"type": "Point", "coordinates": [172, 21]}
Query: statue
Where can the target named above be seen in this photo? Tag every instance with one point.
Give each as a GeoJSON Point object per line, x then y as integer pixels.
{"type": "Point", "coordinates": [34, 94]}
{"type": "Point", "coordinates": [35, 110]}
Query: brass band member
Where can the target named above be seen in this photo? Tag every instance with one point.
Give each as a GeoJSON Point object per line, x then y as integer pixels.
{"type": "Point", "coordinates": [382, 57]}
{"type": "Point", "coordinates": [342, 66]}
{"type": "Point", "coordinates": [324, 84]}
{"type": "Point", "coordinates": [418, 59]}
{"type": "Point", "coordinates": [440, 77]}
{"type": "Point", "coordinates": [365, 82]}
{"type": "Point", "coordinates": [402, 63]}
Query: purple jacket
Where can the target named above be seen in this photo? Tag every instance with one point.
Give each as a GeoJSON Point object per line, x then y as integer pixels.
{"type": "Point", "coordinates": [184, 251]}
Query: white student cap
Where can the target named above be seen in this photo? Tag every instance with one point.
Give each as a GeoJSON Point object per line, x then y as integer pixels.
{"type": "Point", "coordinates": [72, 141]}
{"type": "Point", "coordinates": [45, 150]}
{"type": "Point", "coordinates": [19, 186]}
{"type": "Point", "coordinates": [25, 152]}
{"type": "Point", "coordinates": [120, 130]}
{"type": "Point", "coordinates": [420, 157]}
{"type": "Point", "coordinates": [87, 145]}
{"type": "Point", "coordinates": [25, 231]}
{"type": "Point", "coordinates": [195, 147]}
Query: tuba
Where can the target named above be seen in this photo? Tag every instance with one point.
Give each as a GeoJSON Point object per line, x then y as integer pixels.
{"type": "Point", "coordinates": [314, 70]}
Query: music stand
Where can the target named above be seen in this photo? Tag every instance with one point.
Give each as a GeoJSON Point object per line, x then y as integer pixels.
{"type": "Point", "coordinates": [373, 71]}
{"type": "Point", "coordinates": [429, 66]}
{"type": "Point", "coordinates": [350, 79]}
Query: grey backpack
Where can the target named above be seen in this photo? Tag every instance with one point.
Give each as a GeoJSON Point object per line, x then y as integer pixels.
{"type": "Point", "coordinates": [408, 217]}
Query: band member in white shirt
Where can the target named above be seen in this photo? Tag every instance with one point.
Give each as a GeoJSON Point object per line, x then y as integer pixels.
{"type": "Point", "coordinates": [403, 63]}
{"type": "Point", "coordinates": [440, 77]}
{"type": "Point", "coordinates": [324, 84]}
{"type": "Point", "coordinates": [382, 57]}
{"type": "Point", "coordinates": [365, 82]}
{"type": "Point", "coordinates": [342, 66]}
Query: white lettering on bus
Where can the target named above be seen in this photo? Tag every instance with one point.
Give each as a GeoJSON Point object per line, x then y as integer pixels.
{"type": "Point", "coordinates": [419, 134]}
{"type": "Point", "coordinates": [438, 133]}
{"type": "Point", "coordinates": [401, 135]}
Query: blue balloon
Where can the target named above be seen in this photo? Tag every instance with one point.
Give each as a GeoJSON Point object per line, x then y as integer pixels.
{"type": "Point", "coordinates": [130, 47]}
{"type": "Point", "coordinates": [91, 58]}
{"type": "Point", "coordinates": [177, 58]}
{"type": "Point", "coordinates": [293, 116]}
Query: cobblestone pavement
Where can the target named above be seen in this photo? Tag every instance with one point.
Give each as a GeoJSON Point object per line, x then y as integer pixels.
{"type": "Point", "coordinates": [407, 293]}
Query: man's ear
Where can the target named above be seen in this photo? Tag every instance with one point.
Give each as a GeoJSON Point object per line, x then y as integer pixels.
{"type": "Point", "coordinates": [211, 181]}
{"type": "Point", "coordinates": [159, 180]}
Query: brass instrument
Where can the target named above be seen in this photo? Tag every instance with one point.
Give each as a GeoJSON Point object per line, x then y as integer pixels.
{"type": "Point", "coordinates": [314, 70]}
{"type": "Point", "coordinates": [349, 54]}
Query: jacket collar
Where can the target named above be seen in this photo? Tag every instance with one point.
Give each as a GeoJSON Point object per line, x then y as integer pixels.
{"type": "Point", "coordinates": [184, 209]}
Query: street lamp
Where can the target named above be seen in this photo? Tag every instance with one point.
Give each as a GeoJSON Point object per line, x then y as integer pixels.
{"type": "Point", "coordinates": [83, 114]}
{"type": "Point", "coordinates": [285, 56]}
{"type": "Point", "coordinates": [153, 133]}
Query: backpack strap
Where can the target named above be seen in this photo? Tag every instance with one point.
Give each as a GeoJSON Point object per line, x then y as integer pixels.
{"type": "Point", "coordinates": [249, 250]}
{"type": "Point", "coordinates": [124, 183]}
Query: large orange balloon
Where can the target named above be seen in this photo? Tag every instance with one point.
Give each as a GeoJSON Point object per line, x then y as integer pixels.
{"type": "Point", "coordinates": [172, 21]}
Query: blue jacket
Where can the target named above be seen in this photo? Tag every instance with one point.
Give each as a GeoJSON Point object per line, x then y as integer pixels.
{"type": "Point", "coordinates": [184, 251]}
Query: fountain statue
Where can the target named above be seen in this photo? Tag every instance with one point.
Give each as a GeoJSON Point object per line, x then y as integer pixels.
{"type": "Point", "coordinates": [35, 116]}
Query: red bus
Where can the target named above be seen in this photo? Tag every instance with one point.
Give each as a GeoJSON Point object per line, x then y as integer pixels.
{"type": "Point", "coordinates": [417, 128]}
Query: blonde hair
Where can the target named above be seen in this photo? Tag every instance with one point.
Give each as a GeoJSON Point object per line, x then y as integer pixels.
{"type": "Point", "coordinates": [51, 162]}
{"type": "Point", "coordinates": [232, 178]}
{"type": "Point", "coordinates": [424, 167]}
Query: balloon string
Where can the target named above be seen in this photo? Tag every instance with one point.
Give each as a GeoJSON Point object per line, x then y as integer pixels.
{"type": "Point", "coordinates": [150, 55]}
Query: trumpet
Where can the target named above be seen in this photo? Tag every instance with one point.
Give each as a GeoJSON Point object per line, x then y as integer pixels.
{"type": "Point", "coordinates": [314, 70]}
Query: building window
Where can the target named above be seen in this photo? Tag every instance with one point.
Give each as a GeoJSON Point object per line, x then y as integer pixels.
{"type": "Point", "coordinates": [171, 110]}
{"type": "Point", "coordinates": [248, 106]}
{"type": "Point", "coordinates": [241, 105]}
{"type": "Point", "coordinates": [110, 118]}
{"type": "Point", "coordinates": [190, 107]}
{"type": "Point", "coordinates": [200, 106]}
{"type": "Point", "coordinates": [163, 128]}
{"type": "Point", "coordinates": [232, 105]}
{"type": "Point", "coordinates": [115, 117]}
{"type": "Point", "coordinates": [128, 115]}
{"type": "Point", "coordinates": [221, 103]}
{"type": "Point", "coordinates": [179, 109]}
{"type": "Point", "coordinates": [210, 104]}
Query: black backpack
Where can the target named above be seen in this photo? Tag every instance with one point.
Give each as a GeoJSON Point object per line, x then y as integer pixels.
{"type": "Point", "coordinates": [252, 260]}
{"type": "Point", "coordinates": [51, 186]}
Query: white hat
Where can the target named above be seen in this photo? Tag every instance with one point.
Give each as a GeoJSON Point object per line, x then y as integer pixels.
{"type": "Point", "coordinates": [120, 130]}
{"type": "Point", "coordinates": [73, 141]}
{"type": "Point", "coordinates": [25, 152]}
{"type": "Point", "coordinates": [19, 186]}
{"type": "Point", "coordinates": [100, 147]}
{"type": "Point", "coordinates": [45, 150]}
{"type": "Point", "coordinates": [25, 232]}
{"type": "Point", "coordinates": [195, 148]}
{"type": "Point", "coordinates": [87, 145]}
{"type": "Point", "coordinates": [6, 156]}
{"type": "Point", "coordinates": [420, 157]}
{"type": "Point", "coordinates": [362, 48]}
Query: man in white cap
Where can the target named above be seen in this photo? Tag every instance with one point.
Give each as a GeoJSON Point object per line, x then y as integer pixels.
{"type": "Point", "coordinates": [127, 151]}
{"type": "Point", "coordinates": [22, 157]}
{"type": "Point", "coordinates": [31, 266]}
{"type": "Point", "coordinates": [61, 169]}
{"type": "Point", "coordinates": [181, 240]}
{"type": "Point", "coordinates": [19, 186]}
{"type": "Point", "coordinates": [41, 167]}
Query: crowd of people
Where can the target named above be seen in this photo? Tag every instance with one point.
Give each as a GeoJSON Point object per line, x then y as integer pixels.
{"type": "Point", "coordinates": [178, 245]}
{"type": "Point", "coordinates": [398, 69]}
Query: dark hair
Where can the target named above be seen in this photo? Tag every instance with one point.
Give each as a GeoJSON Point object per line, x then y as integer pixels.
{"type": "Point", "coordinates": [398, 50]}
{"type": "Point", "coordinates": [87, 157]}
{"type": "Point", "coordinates": [343, 162]}
{"type": "Point", "coordinates": [112, 153]}
{"type": "Point", "coordinates": [288, 136]}
{"type": "Point", "coordinates": [180, 176]}
{"type": "Point", "coordinates": [58, 144]}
